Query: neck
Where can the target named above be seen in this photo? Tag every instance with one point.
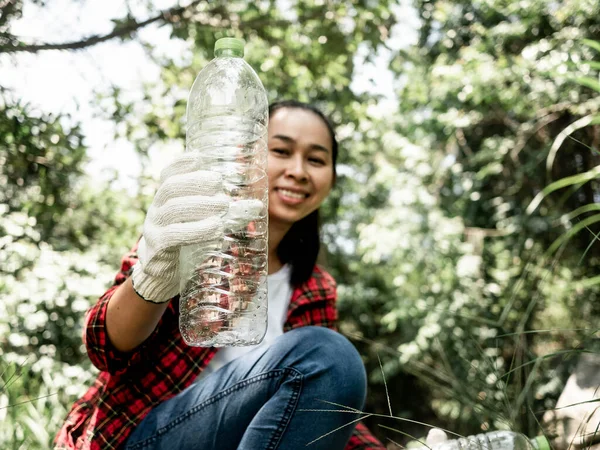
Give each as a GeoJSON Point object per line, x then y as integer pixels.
{"type": "Point", "coordinates": [276, 233]}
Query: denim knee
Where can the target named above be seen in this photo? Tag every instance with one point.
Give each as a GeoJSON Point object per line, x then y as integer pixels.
{"type": "Point", "coordinates": [328, 358]}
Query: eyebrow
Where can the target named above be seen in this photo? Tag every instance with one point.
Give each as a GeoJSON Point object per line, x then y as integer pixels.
{"type": "Point", "coordinates": [293, 141]}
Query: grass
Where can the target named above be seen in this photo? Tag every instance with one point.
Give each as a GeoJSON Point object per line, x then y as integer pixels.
{"type": "Point", "coordinates": [505, 396]}
{"type": "Point", "coordinates": [34, 402]}
{"type": "Point", "coordinates": [503, 410]}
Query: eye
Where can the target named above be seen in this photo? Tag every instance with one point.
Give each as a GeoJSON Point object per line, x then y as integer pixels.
{"type": "Point", "coordinates": [317, 161]}
{"type": "Point", "coordinates": [280, 151]}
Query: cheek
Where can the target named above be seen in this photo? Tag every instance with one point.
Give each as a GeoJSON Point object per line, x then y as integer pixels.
{"type": "Point", "coordinates": [324, 183]}
{"type": "Point", "coordinates": [272, 169]}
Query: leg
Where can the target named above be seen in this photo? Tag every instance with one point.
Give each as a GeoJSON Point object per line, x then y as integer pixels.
{"type": "Point", "coordinates": [256, 401]}
{"type": "Point", "coordinates": [330, 372]}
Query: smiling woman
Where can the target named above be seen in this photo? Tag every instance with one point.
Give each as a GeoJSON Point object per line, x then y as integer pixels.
{"type": "Point", "coordinates": [155, 392]}
{"type": "Point", "coordinates": [301, 174]}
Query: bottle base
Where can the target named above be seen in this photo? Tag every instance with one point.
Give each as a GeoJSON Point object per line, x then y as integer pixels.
{"type": "Point", "coordinates": [212, 334]}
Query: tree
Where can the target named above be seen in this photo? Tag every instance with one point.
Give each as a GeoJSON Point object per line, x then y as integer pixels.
{"type": "Point", "coordinates": [465, 252]}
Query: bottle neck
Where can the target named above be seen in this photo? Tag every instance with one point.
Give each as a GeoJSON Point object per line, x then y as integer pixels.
{"type": "Point", "coordinates": [229, 52]}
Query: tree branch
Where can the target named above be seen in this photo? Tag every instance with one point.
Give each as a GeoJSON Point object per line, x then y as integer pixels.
{"type": "Point", "coordinates": [168, 15]}
{"type": "Point", "coordinates": [7, 8]}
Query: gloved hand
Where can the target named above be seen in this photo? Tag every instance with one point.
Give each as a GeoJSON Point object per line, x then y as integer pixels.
{"type": "Point", "coordinates": [188, 208]}
{"type": "Point", "coordinates": [435, 436]}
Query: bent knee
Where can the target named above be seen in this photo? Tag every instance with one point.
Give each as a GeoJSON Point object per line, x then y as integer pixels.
{"type": "Point", "coordinates": [331, 359]}
{"type": "Point", "coordinates": [324, 343]}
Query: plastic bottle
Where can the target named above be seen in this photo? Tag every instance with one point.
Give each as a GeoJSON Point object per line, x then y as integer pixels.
{"type": "Point", "coordinates": [494, 440]}
{"type": "Point", "coordinates": [223, 288]}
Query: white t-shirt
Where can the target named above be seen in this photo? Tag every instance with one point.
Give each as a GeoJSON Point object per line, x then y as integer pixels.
{"type": "Point", "coordinates": [278, 297]}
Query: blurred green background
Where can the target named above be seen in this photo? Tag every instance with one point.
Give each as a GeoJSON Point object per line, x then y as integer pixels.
{"type": "Point", "coordinates": [462, 231]}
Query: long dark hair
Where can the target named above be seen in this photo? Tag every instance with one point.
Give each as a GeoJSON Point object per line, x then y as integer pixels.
{"type": "Point", "coordinates": [300, 246]}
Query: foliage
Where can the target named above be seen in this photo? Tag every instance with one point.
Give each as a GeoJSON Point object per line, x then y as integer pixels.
{"type": "Point", "coordinates": [45, 293]}
{"type": "Point", "coordinates": [461, 228]}
{"type": "Point", "coordinates": [59, 239]}
{"type": "Point", "coordinates": [470, 270]}
{"type": "Point", "coordinates": [34, 397]}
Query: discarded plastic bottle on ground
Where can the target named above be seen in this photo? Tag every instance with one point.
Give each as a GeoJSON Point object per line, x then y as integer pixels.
{"type": "Point", "coordinates": [223, 295]}
{"type": "Point", "coordinates": [494, 440]}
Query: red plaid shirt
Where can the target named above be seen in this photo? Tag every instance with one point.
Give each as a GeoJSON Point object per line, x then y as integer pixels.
{"type": "Point", "coordinates": [131, 384]}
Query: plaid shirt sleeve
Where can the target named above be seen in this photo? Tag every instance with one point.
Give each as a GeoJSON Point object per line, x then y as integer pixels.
{"type": "Point", "coordinates": [362, 439]}
{"type": "Point", "coordinates": [95, 337]}
{"type": "Point", "coordinates": [129, 384]}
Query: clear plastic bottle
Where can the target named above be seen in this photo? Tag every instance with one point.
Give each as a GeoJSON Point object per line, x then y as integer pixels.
{"type": "Point", "coordinates": [223, 290]}
{"type": "Point", "coordinates": [494, 440]}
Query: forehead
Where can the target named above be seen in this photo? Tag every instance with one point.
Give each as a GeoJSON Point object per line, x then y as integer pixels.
{"type": "Point", "coordinates": [305, 127]}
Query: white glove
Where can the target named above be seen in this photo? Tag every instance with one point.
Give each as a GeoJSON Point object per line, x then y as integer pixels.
{"type": "Point", "coordinates": [188, 208]}
{"type": "Point", "coordinates": [435, 436]}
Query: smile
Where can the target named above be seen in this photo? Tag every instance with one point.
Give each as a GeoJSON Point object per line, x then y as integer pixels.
{"type": "Point", "coordinates": [292, 194]}
{"type": "Point", "coordinates": [291, 197]}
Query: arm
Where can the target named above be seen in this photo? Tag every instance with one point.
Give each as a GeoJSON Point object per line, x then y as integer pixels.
{"type": "Point", "coordinates": [116, 355]}
{"type": "Point", "coordinates": [130, 320]}
{"type": "Point", "coordinates": [186, 210]}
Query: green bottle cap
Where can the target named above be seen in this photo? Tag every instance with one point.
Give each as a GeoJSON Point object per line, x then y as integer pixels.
{"type": "Point", "coordinates": [230, 47]}
{"type": "Point", "coordinates": [541, 443]}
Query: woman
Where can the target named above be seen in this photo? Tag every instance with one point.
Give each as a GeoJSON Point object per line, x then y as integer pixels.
{"type": "Point", "coordinates": [149, 395]}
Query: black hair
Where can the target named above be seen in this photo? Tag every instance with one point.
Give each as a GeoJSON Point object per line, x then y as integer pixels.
{"type": "Point", "coordinates": [301, 244]}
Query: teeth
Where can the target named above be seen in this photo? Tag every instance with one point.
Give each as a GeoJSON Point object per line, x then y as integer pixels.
{"type": "Point", "coordinates": [291, 194]}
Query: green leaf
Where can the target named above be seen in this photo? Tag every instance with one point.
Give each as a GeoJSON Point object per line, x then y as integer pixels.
{"type": "Point", "coordinates": [581, 210]}
{"type": "Point", "coordinates": [593, 64]}
{"type": "Point", "coordinates": [593, 44]}
{"type": "Point", "coordinates": [572, 232]}
{"type": "Point", "coordinates": [586, 283]}
{"type": "Point", "coordinates": [590, 82]}
{"type": "Point", "coordinates": [564, 182]}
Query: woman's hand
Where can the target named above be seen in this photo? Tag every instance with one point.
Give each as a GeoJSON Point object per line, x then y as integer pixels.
{"type": "Point", "coordinates": [188, 208]}
{"type": "Point", "coordinates": [435, 436]}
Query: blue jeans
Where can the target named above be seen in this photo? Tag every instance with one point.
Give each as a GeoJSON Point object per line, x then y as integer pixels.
{"type": "Point", "coordinates": [262, 400]}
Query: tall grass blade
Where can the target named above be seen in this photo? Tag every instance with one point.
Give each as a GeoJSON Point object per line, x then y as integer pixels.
{"type": "Point", "coordinates": [550, 330]}
{"type": "Point", "coordinates": [579, 211]}
{"type": "Point", "coordinates": [548, 356]}
{"type": "Point", "coordinates": [577, 125]}
{"type": "Point", "coordinates": [559, 184]}
{"type": "Point", "coordinates": [592, 44]}
{"type": "Point", "coordinates": [564, 238]}
{"type": "Point", "coordinates": [592, 149]}
{"type": "Point", "coordinates": [346, 408]}
{"type": "Point", "coordinates": [594, 400]}
{"type": "Point", "coordinates": [403, 433]}
{"type": "Point", "coordinates": [590, 82]}
{"type": "Point", "coordinates": [587, 249]}
{"type": "Point", "coordinates": [593, 64]}
{"type": "Point", "coordinates": [338, 428]}
{"type": "Point", "coordinates": [12, 379]}
{"type": "Point", "coordinates": [24, 402]}
{"type": "Point", "coordinates": [387, 394]}
{"type": "Point", "coordinates": [387, 416]}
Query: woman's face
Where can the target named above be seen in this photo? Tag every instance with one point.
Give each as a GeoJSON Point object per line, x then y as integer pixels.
{"type": "Point", "coordinates": [300, 164]}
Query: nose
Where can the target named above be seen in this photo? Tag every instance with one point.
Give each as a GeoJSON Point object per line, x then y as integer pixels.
{"type": "Point", "coordinates": [296, 169]}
